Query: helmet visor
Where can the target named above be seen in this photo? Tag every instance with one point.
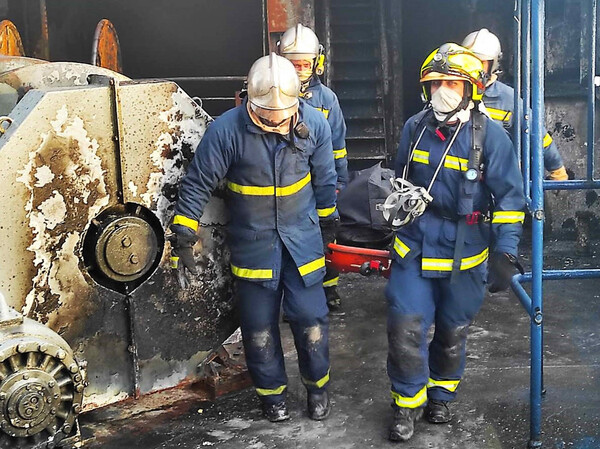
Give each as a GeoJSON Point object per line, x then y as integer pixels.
{"type": "Point", "coordinates": [274, 115]}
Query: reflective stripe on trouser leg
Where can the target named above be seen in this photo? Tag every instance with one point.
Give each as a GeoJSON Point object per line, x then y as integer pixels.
{"type": "Point", "coordinates": [259, 319]}
{"type": "Point", "coordinates": [306, 310]}
{"type": "Point", "coordinates": [331, 278]}
{"type": "Point", "coordinates": [457, 306]}
{"type": "Point", "coordinates": [411, 310]}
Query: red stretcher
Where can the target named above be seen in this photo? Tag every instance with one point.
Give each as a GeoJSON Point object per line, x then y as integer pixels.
{"type": "Point", "coordinates": [352, 259]}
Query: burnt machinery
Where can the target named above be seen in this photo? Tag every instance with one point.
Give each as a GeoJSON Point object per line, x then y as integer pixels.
{"type": "Point", "coordinates": [90, 164]}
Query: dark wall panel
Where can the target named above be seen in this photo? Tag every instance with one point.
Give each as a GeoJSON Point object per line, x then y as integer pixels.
{"type": "Point", "coordinates": [163, 38]}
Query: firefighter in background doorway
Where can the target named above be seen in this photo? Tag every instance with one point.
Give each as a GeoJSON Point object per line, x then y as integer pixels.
{"type": "Point", "coordinates": [498, 98]}
{"type": "Point", "coordinates": [464, 173]}
{"type": "Point", "coordinates": [276, 155]}
{"type": "Point", "coordinates": [301, 46]}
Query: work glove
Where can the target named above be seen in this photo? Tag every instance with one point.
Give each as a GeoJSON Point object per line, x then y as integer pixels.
{"type": "Point", "coordinates": [328, 231]}
{"type": "Point", "coordinates": [501, 270]}
{"type": "Point", "coordinates": [182, 257]}
{"type": "Point", "coordinates": [560, 174]}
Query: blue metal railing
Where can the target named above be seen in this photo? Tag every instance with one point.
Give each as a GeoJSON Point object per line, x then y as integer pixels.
{"type": "Point", "coordinates": [529, 24]}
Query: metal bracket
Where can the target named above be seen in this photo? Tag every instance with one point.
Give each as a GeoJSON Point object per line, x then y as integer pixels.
{"type": "Point", "coordinates": [538, 317]}
{"type": "Point", "coordinates": [539, 214]}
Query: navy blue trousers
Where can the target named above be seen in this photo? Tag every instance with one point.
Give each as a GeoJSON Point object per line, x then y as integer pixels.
{"type": "Point", "coordinates": [418, 370]}
{"type": "Point", "coordinates": [306, 310]}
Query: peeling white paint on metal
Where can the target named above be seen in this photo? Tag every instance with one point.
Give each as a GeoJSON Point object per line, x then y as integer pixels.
{"type": "Point", "coordinates": [52, 212]}
{"type": "Point", "coordinates": [95, 400]}
{"type": "Point", "coordinates": [82, 174]}
{"type": "Point", "coordinates": [186, 127]}
{"type": "Point", "coordinates": [153, 371]}
{"type": "Point", "coordinates": [133, 188]}
{"type": "Point", "coordinates": [43, 175]}
{"type": "Point", "coordinates": [51, 77]}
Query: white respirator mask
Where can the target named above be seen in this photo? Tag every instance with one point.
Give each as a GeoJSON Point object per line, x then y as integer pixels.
{"type": "Point", "coordinates": [445, 100]}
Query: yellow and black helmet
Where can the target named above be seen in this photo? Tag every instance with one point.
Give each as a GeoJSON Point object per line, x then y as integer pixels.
{"type": "Point", "coordinates": [451, 61]}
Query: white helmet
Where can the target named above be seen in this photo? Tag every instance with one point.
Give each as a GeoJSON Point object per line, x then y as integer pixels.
{"type": "Point", "coordinates": [273, 88]}
{"type": "Point", "coordinates": [299, 42]}
{"type": "Point", "coordinates": [485, 45]}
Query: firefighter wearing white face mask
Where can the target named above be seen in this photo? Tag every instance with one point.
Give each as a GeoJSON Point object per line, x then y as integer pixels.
{"type": "Point", "coordinates": [300, 45]}
{"type": "Point", "coordinates": [499, 97]}
{"type": "Point", "coordinates": [438, 273]}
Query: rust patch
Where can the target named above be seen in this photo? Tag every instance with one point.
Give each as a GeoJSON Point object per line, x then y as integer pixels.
{"type": "Point", "coordinates": [107, 50]}
{"type": "Point", "coordinates": [10, 40]}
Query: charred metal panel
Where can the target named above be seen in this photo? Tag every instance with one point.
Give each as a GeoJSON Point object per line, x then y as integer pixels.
{"type": "Point", "coordinates": [79, 163]}
{"type": "Point", "coordinates": [566, 121]}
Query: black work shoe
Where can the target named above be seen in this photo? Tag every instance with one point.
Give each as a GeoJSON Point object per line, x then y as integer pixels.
{"type": "Point", "coordinates": [437, 412]}
{"type": "Point", "coordinates": [403, 427]}
{"type": "Point", "coordinates": [319, 405]}
{"type": "Point", "coordinates": [275, 412]}
{"type": "Point", "coordinates": [334, 301]}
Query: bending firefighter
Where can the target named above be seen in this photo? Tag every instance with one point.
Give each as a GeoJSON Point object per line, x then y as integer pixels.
{"type": "Point", "coordinates": [276, 156]}
{"type": "Point", "coordinates": [499, 99]}
{"type": "Point", "coordinates": [452, 160]}
{"type": "Point", "coordinates": [301, 46]}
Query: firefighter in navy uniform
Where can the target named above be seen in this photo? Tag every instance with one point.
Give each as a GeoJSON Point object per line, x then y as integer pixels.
{"type": "Point", "coordinates": [456, 160]}
{"type": "Point", "coordinates": [276, 156]}
{"type": "Point", "coordinates": [499, 98]}
{"type": "Point", "coordinates": [301, 46]}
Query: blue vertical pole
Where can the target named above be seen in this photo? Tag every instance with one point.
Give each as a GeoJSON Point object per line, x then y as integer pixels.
{"type": "Point", "coordinates": [526, 61]}
{"type": "Point", "coordinates": [591, 120]}
{"type": "Point", "coordinates": [537, 206]}
{"type": "Point", "coordinates": [517, 128]}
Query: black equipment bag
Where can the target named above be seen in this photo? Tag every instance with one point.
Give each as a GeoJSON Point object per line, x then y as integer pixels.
{"type": "Point", "coordinates": [362, 224]}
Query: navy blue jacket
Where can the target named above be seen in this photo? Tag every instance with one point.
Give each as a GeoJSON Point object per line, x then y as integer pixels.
{"type": "Point", "coordinates": [324, 99]}
{"type": "Point", "coordinates": [433, 235]}
{"type": "Point", "coordinates": [276, 193]}
{"type": "Point", "coordinates": [499, 100]}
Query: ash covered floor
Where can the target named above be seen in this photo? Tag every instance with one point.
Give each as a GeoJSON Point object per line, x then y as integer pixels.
{"type": "Point", "coordinates": [492, 410]}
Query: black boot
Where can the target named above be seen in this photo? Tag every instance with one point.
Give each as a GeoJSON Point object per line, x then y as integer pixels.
{"type": "Point", "coordinates": [437, 412]}
{"type": "Point", "coordinates": [403, 427]}
{"type": "Point", "coordinates": [318, 405]}
{"type": "Point", "coordinates": [334, 301]}
{"type": "Point", "coordinates": [275, 412]}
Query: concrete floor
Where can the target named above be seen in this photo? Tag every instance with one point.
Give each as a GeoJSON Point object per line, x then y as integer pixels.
{"type": "Point", "coordinates": [492, 410]}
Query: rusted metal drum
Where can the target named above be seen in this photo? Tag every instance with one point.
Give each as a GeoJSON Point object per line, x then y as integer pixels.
{"type": "Point", "coordinates": [106, 50]}
{"type": "Point", "coordinates": [10, 40]}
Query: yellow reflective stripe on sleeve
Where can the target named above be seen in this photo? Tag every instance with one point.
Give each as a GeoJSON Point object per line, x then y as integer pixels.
{"type": "Point", "coordinates": [311, 266]}
{"type": "Point", "coordinates": [331, 282]}
{"type": "Point", "coordinates": [456, 163]}
{"type": "Point", "coordinates": [249, 273]}
{"type": "Point", "coordinates": [325, 212]}
{"type": "Point", "coordinates": [324, 111]}
{"type": "Point", "coordinates": [339, 154]}
{"type": "Point", "coordinates": [547, 140]}
{"type": "Point", "coordinates": [499, 114]}
{"type": "Point", "coordinates": [400, 247]}
{"type": "Point", "coordinates": [269, 190]}
{"type": "Point", "coordinates": [410, 402]}
{"type": "Point", "coordinates": [319, 383]}
{"type": "Point", "coordinates": [185, 221]}
{"type": "Point", "coordinates": [430, 264]}
{"type": "Point", "coordinates": [508, 216]}
{"type": "Point", "coordinates": [421, 156]}
{"type": "Point", "coordinates": [267, 392]}
{"type": "Point", "coordinates": [450, 385]}
{"type": "Point", "coordinates": [174, 262]}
